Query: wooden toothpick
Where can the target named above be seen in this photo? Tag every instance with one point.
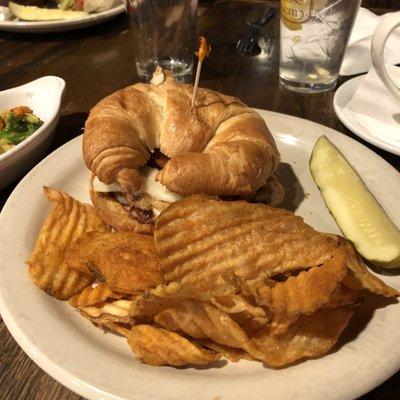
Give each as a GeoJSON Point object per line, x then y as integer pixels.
{"type": "Point", "coordinates": [202, 53]}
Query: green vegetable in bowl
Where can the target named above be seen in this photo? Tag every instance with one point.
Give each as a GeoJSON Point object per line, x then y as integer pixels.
{"type": "Point", "coordinates": [16, 125]}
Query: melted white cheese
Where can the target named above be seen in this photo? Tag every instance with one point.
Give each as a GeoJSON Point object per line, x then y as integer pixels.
{"type": "Point", "coordinates": [99, 186]}
{"type": "Point", "coordinates": [150, 186]}
{"type": "Point", "coordinates": [119, 308]}
{"type": "Point", "coordinates": [155, 189]}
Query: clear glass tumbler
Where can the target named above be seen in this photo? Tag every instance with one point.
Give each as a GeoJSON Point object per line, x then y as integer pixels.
{"type": "Point", "coordinates": [164, 34]}
{"type": "Point", "coordinates": [314, 35]}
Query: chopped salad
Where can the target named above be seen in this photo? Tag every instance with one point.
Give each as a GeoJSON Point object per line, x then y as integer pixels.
{"type": "Point", "coordinates": [16, 125]}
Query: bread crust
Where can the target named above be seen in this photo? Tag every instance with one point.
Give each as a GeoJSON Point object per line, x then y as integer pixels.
{"type": "Point", "coordinates": [115, 215]}
{"type": "Point", "coordinates": [221, 147]}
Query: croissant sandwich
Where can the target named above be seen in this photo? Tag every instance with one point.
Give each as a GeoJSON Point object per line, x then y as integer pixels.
{"type": "Point", "coordinates": [146, 148]}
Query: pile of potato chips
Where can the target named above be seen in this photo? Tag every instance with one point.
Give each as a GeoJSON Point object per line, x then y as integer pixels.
{"type": "Point", "coordinates": [218, 280]}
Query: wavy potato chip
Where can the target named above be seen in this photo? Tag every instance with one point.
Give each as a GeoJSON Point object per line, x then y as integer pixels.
{"type": "Point", "coordinates": [125, 261]}
{"type": "Point", "coordinates": [201, 320]}
{"type": "Point", "coordinates": [344, 296]}
{"type": "Point", "coordinates": [231, 279]}
{"type": "Point", "coordinates": [306, 292]}
{"type": "Point", "coordinates": [201, 238]}
{"type": "Point", "coordinates": [364, 278]}
{"type": "Point", "coordinates": [215, 288]}
{"type": "Point", "coordinates": [230, 353]}
{"type": "Point", "coordinates": [229, 303]}
{"type": "Point", "coordinates": [94, 295]}
{"type": "Point", "coordinates": [106, 324]}
{"type": "Point", "coordinates": [147, 305]}
{"type": "Point", "coordinates": [66, 222]}
{"type": "Point", "coordinates": [158, 346]}
{"type": "Point", "coordinates": [234, 304]}
{"type": "Point", "coordinates": [107, 320]}
{"type": "Point", "coordinates": [311, 336]}
{"type": "Point", "coordinates": [57, 280]}
{"type": "Point", "coordinates": [251, 324]}
{"type": "Point", "coordinates": [281, 323]}
{"type": "Point", "coordinates": [177, 319]}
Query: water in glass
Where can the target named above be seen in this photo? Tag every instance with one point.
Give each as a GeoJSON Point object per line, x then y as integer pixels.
{"type": "Point", "coordinates": [314, 34]}
{"type": "Point", "coordinates": [164, 34]}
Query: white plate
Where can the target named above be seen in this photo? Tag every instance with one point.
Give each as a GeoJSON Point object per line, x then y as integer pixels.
{"type": "Point", "coordinates": [342, 97]}
{"type": "Point", "coordinates": [16, 25]}
{"type": "Point", "coordinates": [101, 366]}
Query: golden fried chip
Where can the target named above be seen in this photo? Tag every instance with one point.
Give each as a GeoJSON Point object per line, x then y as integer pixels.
{"type": "Point", "coordinates": [201, 238]}
{"type": "Point", "coordinates": [157, 346]}
{"type": "Point", "coordinates": [281, 323]}
{"type": "Point", "coordinates": [74, 256]}
{"type": "Point", "coordinates": [234, 303]}
{"type": "Point", "coordinates": [306, 292]}
{"type": "Point", "coordinates": [56, 280]}
{"type": "Point", "coordinates": [116, 311]}
{"type": "Point", "coordinates": [311, 336]}
{"type": "Point", "coordinates": [249, 317]}
{"type": "Point", "coordinates": [364, 278]}
{"type": "Point", "coordinates": [201, 320]}
{"type": "Point", "coordinates": [230, 353]}
{"type": "Point", "coordinates": [343, 296]}
{"type": "Point", "coordinates": [182, 319]}
{"type": "Point", "coordinates": [66, 222]}
{"type": "Point", "coordinates": [105, 323]}
{"type": "Point", "coordinates": [106, 320]}
{"type": "Point", "coordinates": [249, 323]}
{"type": "Point", "coordinates": [94, 295]}
{"type": "Point", "coordinates": [147, 305]}
{"type": "Point", "coordinates": [216, 288]}
{"type": "Point", "coordinates": [125, 261]}
{"type": "Point", "coordinates": [229, 303]}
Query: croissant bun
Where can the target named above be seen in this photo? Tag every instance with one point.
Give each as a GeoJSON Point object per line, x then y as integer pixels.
{"type": "Point", "coordinates": [221, 147]}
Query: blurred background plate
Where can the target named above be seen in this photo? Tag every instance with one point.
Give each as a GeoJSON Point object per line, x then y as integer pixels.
{"type": "Point", "coordinates": [354, 121]}
{"type": "Point", "coordinates": [62, 25]}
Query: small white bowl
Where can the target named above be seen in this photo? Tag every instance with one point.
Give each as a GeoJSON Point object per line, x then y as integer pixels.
{"type": "Point", "coordinates": [44, 97]}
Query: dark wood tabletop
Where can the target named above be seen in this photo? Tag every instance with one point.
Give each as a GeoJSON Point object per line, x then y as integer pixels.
{"type": "Point", "coordinates": [99, 60]}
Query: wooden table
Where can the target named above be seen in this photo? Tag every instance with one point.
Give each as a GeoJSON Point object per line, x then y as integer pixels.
{"type": "Point", "coordinates": [96, 61]}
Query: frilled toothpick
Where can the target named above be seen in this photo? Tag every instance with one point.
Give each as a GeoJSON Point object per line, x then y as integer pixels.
{"type": "Point", "coordinates": [202, 53]}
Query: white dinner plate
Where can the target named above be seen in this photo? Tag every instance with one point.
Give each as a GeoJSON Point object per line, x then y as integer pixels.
{"type": "Point", "coordinates": [101, 366]}
{"type": "Point", "coordinates": [352, 120]}
{"type": "Point", "coordinates": [15, 25]}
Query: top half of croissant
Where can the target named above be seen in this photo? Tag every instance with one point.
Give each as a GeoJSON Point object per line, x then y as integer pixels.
{"type": "Point", "coordinates": [220, 147]}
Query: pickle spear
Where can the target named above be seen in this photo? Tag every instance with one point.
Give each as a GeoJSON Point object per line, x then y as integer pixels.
{"type": "Point", "coordinates": [357, 212]}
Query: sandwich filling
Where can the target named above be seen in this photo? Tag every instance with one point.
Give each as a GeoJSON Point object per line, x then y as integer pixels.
{"type": "Point", "coordinates": [145, 206]}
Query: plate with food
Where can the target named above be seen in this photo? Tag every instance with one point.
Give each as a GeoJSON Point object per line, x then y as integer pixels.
{"type": "Point", "coordinates": [178, 252]}
{"type": "Point", "coordinates": [64, 15]}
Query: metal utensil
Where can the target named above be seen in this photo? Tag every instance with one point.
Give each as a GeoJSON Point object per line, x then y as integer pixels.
{"type": "Point", "coordinates": [250, 37]}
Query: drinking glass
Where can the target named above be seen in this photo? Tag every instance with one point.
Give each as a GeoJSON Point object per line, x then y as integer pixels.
{"type": "Point", "coordinates": [314, 35]}
{"type": "Point", "coordinates": [164, 34]}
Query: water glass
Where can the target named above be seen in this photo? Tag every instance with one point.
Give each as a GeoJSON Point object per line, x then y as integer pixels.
{"type": "Point", "coordinates": [164, 34]}
{"type": "Point", "coordinates": [314, 35]}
